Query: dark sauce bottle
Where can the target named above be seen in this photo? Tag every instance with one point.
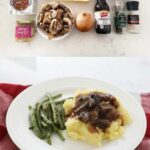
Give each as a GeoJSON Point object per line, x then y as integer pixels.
{"type": "Point", "coordinates": [102, 16]}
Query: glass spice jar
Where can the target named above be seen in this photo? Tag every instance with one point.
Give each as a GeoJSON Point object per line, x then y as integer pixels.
{"type": "Point", "coordinates": [120, 18]}
{"type": "Point", "coordinates": [25, 31]}
{"type": "Point", "coordinates": [20, 4]}
{"type": "Point", "coordinates": [133, 17]}
{"type": "Point", "coordinates": [22, 7]}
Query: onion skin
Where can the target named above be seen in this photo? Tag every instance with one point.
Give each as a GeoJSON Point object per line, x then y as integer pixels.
{"type": "Point", "coordinates": [84, 22]}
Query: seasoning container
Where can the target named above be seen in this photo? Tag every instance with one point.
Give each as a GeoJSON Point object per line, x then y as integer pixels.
{"type": "Point", "coordinates": [133, 17]}
{"type": "Point", "coordinates": [22, 7]}
{"type": "Point", "coordinates": [102, 17]}
{"type": "Point", "coordinates": [120, 18]}
{"type": "Point", "coordinates": [25, 31]}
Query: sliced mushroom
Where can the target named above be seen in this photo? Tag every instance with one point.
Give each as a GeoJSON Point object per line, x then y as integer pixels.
{"type": "Point", "coordinates": [46, 7]}
{"type": "Point", "coordinates": [47, 18]}
{"type": "Point", "coordinates": [53, 13]}
{"type": "Point", "coordinates": [68, 15]}
{"type": "Point", "coordinates": [40, 17]}
{"type": "Point", "coordinates": [55, 26]}
{"type": "Point", "coordinates": [67, 24]}
{"type": "Point", "coordinates": [50, 36]}
{"type": "Point", "coordinates": [66, 9]}
{"type": "Point", "coordinates": [55, 5]}
{"type": "Point", "coordinates": [59, 13]}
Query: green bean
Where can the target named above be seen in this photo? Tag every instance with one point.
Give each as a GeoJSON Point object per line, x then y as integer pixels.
{"type": "Point", "coordinates": [48, 117]}
{"type": "Point", "coordinates": [30, 120]}
{"type": "Point", "coordinates": [30, 123]}
{"type": "Point", "coordinates": [45, 119]}
{"type": "Point", "coordinates": [62, 101]}
{"type": "Point", "coordinates": [57, 96]}
{"type": "Point", "coordinates": [57, 102]}
{"type": "Point", "coordinates": [62, 116]}
{"type": "Point", "coordinates": [30, 107]}
{"type": "Point", "coordinates": [35, 125]}
{"type": "Point", "coordinates": [49, 112]}
{"type": "Point", "coordinates": [53, 126]}
{"type": "Point", "coordinates": [44, 124]}
{"type": "Point", "coordinates": [59, 117]}
{"type": "Point", "coordinates": [46, 109]}
{"type": "Point", "coordinates": [49, 133]}
{"type": "Point", "coordinates": [53, 97]}
{"type": "Point", "coordinates": [38, 117]}
{"type": "Point", "coordinates": [53, 106]}
{"type": "Point", "coordinates": [48, 138]}
{"type": "Point", "coordinates": [59, 133]}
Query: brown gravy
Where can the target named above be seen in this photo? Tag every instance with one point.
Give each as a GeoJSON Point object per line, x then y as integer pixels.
{"type": "Point", "coordinates": [96, 108]}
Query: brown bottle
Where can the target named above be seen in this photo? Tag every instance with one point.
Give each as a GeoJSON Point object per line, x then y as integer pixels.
{"type": "Point", "coordinates": [102, 16]}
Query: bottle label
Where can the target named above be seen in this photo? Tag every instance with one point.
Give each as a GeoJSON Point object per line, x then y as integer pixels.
{"type": "Point", "coordinates": [133, 19]}
{"type": "Point", "coordinates": [23, 31]}
{"type": "Point", "coordinates": [102, 18]}
{"type": "Point", "coordinates": [120, 20]}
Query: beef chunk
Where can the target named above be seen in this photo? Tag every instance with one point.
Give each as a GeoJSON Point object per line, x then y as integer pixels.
{"type": "Point", "coordinates": [96, 108]}
{"type": "Point", "coordinates": [103, 123]}
{"type": "Point", "coordinates": [84, 116]}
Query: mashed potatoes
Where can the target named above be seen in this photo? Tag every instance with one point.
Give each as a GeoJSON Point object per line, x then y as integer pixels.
{"type": "Point", "coordinates": [79, 130]}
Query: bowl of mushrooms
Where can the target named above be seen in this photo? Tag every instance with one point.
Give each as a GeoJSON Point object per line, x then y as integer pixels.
{"type": "Point", "coordinates": [54, 21]}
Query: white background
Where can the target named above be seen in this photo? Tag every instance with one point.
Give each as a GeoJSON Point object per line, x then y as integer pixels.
{"type": "Point", "coordinates": [77, 44]}
{"type": "Point", "coordinates": [130, 74]}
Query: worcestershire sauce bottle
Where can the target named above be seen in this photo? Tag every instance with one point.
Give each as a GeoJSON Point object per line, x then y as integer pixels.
{"type": "Point", "coordinates": [102, 16]}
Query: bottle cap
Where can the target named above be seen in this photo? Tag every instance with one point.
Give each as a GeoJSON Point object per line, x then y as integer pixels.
{"type": "Point", "coordinates": [133, 5]}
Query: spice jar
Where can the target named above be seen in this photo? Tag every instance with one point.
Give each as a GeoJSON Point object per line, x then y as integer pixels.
{"type": "Point", "coordinates": [22, 7]}
{"type": "Point", "coordinates": [120, 18]}
{"type": "Point", "coordinates": [25, 31]}
{"type": "Point", "coordinates": [133, 17]}
{"type": "Point", "coordinates": [20, 4]}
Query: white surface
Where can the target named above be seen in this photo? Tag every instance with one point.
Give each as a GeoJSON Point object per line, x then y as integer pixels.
{"type": "Point", "coordinates": [77, 44]}
{"type": "Point", "coordinates": [23, 137]}
{"type": "Point", "coordinates": [130, 74]}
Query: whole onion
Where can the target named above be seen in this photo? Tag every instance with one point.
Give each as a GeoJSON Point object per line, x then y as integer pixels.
{"type": "Point", "coordinates": [84, 21]}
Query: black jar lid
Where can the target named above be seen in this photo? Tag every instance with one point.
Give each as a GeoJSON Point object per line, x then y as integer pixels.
{"type": "Point", "coordinates": [133, 5]}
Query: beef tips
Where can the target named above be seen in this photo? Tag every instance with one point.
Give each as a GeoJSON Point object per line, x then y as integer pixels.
{"type": "Point", "coordinates": [83, 116]}
{"type": "Point", "coordinates": [96, 108]}
{"type": "Point", "coordinates": [103, 124]}
{"type": "Point", "coordinates": [112, 115]}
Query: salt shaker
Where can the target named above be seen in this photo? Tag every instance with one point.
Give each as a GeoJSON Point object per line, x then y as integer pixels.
{"type": "Point", "coordinates": [133, 17]}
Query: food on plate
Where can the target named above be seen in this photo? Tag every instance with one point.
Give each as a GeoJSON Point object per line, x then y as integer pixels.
{"type": "Point", "coordinates": [55, 19]}
{"type": "Point", "coordinates": [84, 21]}
{"type": "Point", "coordinates": [94, 116]}
{"type": "Point", "coordinates": [47, 117]}
{"type": "Point", "coordinates": [25, 30]}
{"type": "Point", "coordinates": [90, 116]}
{"type": "Point", "coordinates": [22, 7]}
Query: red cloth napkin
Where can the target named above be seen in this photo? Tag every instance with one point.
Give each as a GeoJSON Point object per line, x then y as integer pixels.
{"type": "Point", "coordinates": [9, 91]}
{"type": "Point", "coordinates": [145, 101]}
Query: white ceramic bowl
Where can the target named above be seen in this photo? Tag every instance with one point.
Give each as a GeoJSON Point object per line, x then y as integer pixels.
{"type": "Point", "coordinates": [43, 34]}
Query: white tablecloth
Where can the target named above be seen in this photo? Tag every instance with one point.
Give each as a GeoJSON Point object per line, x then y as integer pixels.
{"type": "Point", "coordinates": [130, 74]}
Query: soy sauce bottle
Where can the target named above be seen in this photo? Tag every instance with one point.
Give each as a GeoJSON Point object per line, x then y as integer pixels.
{"type": "Point", "coordinates": [102, 16]}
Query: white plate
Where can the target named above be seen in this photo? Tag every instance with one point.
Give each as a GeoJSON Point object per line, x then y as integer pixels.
{"type": "Point", "coordinates": [17, 116]}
